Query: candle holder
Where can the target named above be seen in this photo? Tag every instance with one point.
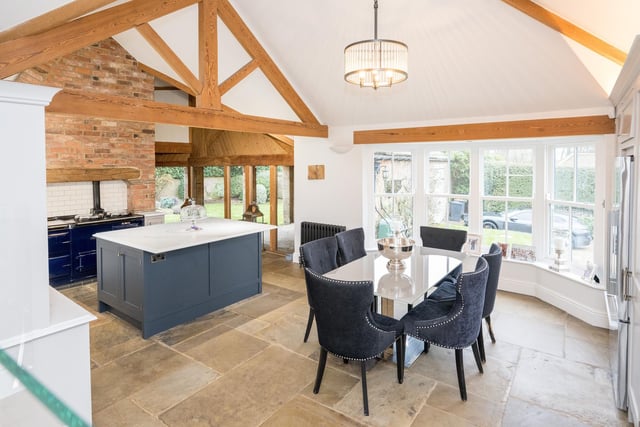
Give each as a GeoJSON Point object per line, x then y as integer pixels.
{"type": "Point", "coordinates": [559, 263]}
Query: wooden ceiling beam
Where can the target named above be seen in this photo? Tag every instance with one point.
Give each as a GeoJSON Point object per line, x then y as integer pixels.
{"type": "Point", "coordinates": [238, 76]}
{"type": "Point", "coordinates": [208, 54]}
{"type": "Point", "coordinates": [282, 140]}
{"type": "Point", "coordinates": [170, 57]}
{"type": "Point", "coordinates": [568, 29]}
{"type": "Point", "coordinates": [173, 147]}
{"type": "Point", "coordinates": [248, 41]}
{"type": "Point", "coordinates": [134, 109]}
{"type": "Point", "coordinates": [53, 18]}
{"type": "Point", "coordinates": [20, 54]}
{"type": "Point", "coordinates": [568, 126]}
{"type": "Point", "coordinates": [244, 160]}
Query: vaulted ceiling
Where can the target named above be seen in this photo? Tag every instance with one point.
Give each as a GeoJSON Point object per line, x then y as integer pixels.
{"type": "Point", "coordinates": [469, 60]}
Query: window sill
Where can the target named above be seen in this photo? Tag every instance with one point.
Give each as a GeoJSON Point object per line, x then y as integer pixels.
{"type": "Point", "coordinates": [545, 265]}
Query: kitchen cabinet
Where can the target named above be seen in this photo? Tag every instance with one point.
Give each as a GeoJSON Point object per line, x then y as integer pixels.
{"type": "Point", "coordinates": [59, 243]}
{"type": "Point", "coordinates": [161, 276]}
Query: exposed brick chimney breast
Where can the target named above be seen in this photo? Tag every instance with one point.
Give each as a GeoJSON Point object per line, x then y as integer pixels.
{"type": "Point", "coordinates": [93, 142]}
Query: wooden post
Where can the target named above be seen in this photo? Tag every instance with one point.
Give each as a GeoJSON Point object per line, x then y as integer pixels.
{"type": "Point", "coordinates": [197, 186]}
{"type": "Point", "coordinates": [227, 192]}
{"type": "Point", "coordinates": [249, 186]}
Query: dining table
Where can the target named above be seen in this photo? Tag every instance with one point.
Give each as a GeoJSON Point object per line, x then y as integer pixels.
{"type": "Point", "coordinates": [397, 290]}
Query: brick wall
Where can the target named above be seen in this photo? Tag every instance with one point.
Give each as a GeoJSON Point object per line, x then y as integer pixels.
{"type": "Point", "coordinates": [93, 142]}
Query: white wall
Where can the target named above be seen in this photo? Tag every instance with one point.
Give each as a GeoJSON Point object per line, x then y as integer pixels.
{"type": "Point", "coordinates": [337, 199]}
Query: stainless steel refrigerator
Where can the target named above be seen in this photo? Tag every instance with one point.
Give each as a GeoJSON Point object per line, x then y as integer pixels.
{"type": "Point", "coordinates": [620, 275]}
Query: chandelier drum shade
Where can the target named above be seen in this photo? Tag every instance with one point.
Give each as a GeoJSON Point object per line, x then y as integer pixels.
{"type": "Point", "coordinates": [377, 62]}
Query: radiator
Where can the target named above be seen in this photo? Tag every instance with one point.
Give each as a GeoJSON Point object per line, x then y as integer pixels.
{"type": "Point", "coordinates": [314, 230]}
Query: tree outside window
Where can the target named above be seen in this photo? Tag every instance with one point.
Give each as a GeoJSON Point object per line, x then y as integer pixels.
{"type": "Point", "coordinates": [393, 189]}
{"type": "Point", "coordinates": [447, 189]}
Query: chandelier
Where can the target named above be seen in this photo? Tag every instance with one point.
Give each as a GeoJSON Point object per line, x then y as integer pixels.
{"type": "Point", "coordinates": [377, 62]}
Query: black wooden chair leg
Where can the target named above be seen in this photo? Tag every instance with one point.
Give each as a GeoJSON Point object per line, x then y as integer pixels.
{"type": "Point", "coordinates": [426, 347]}
{"type": "Point", "coordinates": [476, 356]}
{"type": "Point", "coordinates": [365, 398]}
{"type": "Point", "coordinates": [400, 350]}
{"type": "Point", "coordinates": [321, 364]}
{"type": "Point", "coordinates": [481, 345]}
{"type": "Point", "coordinates": [309, 323]}
{"type": "Point", "coordinates": [345, 361]}
{"type": "Point", "coordinates": [493, 338]}
{"type": "Point", "coordinates": [460, 369]}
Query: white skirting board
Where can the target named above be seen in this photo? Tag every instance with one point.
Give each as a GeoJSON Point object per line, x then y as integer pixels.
{"type": "Point", "coordinates": [581, 300]}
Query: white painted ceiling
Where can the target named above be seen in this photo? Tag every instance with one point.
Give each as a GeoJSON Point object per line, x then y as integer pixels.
{"type": "Point", "coordinates": [469, 60]}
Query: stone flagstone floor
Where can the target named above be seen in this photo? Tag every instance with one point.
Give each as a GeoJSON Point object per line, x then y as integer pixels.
{"type": "Point", "coordinates": [246, 365]}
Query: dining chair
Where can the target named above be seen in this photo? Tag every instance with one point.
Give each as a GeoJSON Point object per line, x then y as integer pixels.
{"type": "Point", "coordinates": [350, 245]}
{"type": "Point", "coordinates": [447, 239]}
{"type": "Point", "coordinates": [494, 260]}
{"type": "Point", "coordinates": [347, 328]}
{"type": "Point", "coordinates": [453, 324]}
{"type": "Point", "coordinates": [320, 256]}
{"type": "Point", "coordinates": [443, 238]}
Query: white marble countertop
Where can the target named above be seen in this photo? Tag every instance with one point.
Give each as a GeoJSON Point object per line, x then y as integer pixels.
{"type": "Point", "coordinates": [161, 238]}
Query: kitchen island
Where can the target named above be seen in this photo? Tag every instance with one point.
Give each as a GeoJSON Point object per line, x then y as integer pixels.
{"type": "Point", "coordinates": [160, 276]}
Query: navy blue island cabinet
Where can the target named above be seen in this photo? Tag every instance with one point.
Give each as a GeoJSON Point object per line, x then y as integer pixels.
{"type": "Point", "coordinates": [158, 290]}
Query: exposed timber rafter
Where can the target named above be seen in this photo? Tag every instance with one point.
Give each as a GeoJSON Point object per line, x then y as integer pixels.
{"type": "Point", "coordinates": [169, 56]}
{"type": "Point", "coordinates": [53, 18]}
{"type": "Point", "coordinates": [238, 76]}
{"type": "Point", "coordinates": [568, 126]}
{"type": "Point", "coordinates": [247, 40]}
{"type": "Point", "coordinates": [19, 54]}
{"type": "Point", "coordinates": [124, 108]}
{"type": "Point", "coordinates": [570, 30]}
{"type": "Point", "coordinates": [175, 83]}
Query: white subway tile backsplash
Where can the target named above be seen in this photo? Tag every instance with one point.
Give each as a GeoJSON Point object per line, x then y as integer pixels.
{"type": "Point", "coordinates": [75, 198]}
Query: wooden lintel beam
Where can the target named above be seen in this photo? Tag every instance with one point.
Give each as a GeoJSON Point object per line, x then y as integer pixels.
{"type": "Point", "coordinates": [169, 56]}
{"type": "Point", "coordinates": [570, 30]}
{"type": "Point", "coordinates": [134, 109]}
{"type": "Point", "coordinates": [245, 37]}
{"type": "Point", "coordinates": [568, 126]}
{"type": "Point", "coordinates": [20, 54]}
{"type": "Point", "coordinates": [91, 174]}
{"type": "Point", "coordinates": [238, 76]}
{"type": "Point", "coordinates": [173, 147]}
{"type": "Point", "coordinates": [53, 18]}
{"type": "Point", "coordinates": [242, 160]}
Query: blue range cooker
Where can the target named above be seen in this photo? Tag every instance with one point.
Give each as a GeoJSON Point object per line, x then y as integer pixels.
{"type": "Point", "coordinates": [72, 247]}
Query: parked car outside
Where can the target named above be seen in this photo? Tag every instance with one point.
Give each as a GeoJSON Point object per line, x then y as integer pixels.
{"type": "Point", "coordinates": [581, 236]}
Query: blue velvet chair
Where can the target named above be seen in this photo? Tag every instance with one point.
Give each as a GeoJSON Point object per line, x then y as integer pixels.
{"type": "Point", "coordinates": [447, 239]}
{"type": "Point", "coordinates": [443, 238]}
{"type": "Point", "coordinates": [447, 292]}
{"type": "Point", "coordinates": [348, 328]}
{"type": "Point", "coordinates": [494, 260]}
{"type": "Point", "coordinates": [453, 324]}
{"type": "Point", "coordinates": [320, 256]}
{"type": "Point", "coordinates": [350, 245]}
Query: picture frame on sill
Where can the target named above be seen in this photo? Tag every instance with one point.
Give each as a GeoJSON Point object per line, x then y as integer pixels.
{"type": "Point", "coordinates": [523, 253]}
{"type": "Point", "coordinates": [474, 244]}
